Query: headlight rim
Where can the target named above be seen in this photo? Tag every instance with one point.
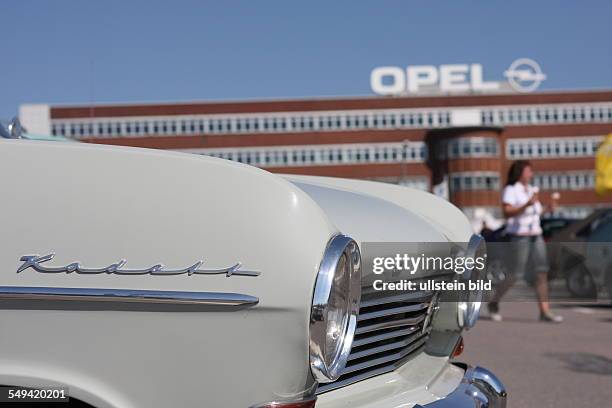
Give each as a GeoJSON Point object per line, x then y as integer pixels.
{"type": "Point", "coordinates": [468, 311]}
{"type": "Point", "coordinates": [338, 246]}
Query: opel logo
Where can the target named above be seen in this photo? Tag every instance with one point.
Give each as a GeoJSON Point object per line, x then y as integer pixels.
{"type": "Point", "coordinates": [524, 75]}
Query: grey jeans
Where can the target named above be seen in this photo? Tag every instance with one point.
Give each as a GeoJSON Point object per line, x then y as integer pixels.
{"type": "Point", "coordinates": [528, 256]}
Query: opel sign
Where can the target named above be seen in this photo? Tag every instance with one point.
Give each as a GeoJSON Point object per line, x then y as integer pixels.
{"type": "Point", "coordinates": [523, 75]}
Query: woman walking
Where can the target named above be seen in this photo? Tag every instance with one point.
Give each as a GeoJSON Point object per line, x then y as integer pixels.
{"type": "Point", "coordinates": [522, 209]}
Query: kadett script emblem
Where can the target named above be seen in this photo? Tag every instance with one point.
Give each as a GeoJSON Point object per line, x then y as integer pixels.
{"type": "Point", "coordinates": [35, 261]}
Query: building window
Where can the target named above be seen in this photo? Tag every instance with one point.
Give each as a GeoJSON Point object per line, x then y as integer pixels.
{"type": "Point", "coordinates": [542, 148]}
{"type": "Point", "coordinates": [329, 155]}
{"type": "Point", "coordinates": [469, 147]}
{"type": "Point", "coordinates": [353, 120]}
{"type": "Point", "coordinates": [472, 181]}
{"type": "Point", "coordinates": [572, 180]}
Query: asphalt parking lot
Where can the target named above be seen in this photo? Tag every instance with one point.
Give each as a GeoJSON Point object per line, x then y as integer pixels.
{"type": "Point", "coordinates": [543, 364]}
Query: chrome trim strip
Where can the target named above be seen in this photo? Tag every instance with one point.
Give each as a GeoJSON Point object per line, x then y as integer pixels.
{"type": "Point", "coordinates": [393, 311]}
{"type": "Point", "coordinates": [387, 359]}
{"type": "Point", "coordinates": [410, 321]}
{"type": "Point", "coordinates": [368, 374]}
{"type": "Point", "coordinates": [127, 295]}
{"type": "Point", "coordinates": [405, 342]}
{"type": "Point", "coordinates": [385, 336]}
{"type": "Point", "coordinates": [34, 262]}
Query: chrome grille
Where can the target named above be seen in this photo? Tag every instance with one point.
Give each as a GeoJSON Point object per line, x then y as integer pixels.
{"type": "Point", "coordinates": [391, 329]}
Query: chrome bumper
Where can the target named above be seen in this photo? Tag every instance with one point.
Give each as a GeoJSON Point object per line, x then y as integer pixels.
{"type": "Point", "coordinates": [479, 388]}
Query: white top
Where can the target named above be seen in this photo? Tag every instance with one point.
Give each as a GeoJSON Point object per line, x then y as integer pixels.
{"type": "Point", "coordinates": [527, 222]}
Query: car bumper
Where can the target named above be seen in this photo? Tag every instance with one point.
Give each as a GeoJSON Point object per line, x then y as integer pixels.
{"type": "Point", "coordinates": [479, 388]}
{"type": "Point", "coordinates": [427, 382]}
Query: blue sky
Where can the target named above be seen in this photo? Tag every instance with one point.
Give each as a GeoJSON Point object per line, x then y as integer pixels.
{"type": "Point", "coordinates": [58, 51]}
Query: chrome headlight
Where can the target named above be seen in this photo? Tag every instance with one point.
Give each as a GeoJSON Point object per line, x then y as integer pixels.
{"type": "Point", "coordinates": [335, 306]}
{"type": "Point", "coordinates": [469, 308]}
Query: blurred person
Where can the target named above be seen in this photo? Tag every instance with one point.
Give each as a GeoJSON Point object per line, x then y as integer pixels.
{"type": "Point", "coordinates": [522, 209]}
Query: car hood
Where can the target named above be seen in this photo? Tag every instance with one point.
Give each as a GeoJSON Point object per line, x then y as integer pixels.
{"type": "Point", "coordinates": [371, 216]}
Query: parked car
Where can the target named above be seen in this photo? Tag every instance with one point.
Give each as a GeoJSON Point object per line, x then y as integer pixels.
{"type": "Point", "coordinates": [582, 254]}
{"type": "Point", "coordinates": [551, 225]}
{"type": "Point", "coordinates": [144, 278]}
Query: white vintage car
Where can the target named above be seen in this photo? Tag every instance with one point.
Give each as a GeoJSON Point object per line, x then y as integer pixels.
{"type": "Point", "coordinates": [144, 278]}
